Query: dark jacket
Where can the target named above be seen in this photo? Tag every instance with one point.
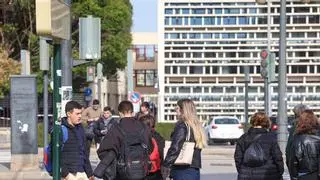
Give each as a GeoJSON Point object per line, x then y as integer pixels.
{"type": "Point", "coordinates": [272, 169]}
{"type": "Point", "coordinates": [73, 154]}
{"type": "Point", "coordinates": [101, 129]}
{"type": "Point", "coordinates": [109, 148]}
{"type": "Point", "coordinates": [304, 155]}
{"type": "Point", "coordinates": [178, 137]}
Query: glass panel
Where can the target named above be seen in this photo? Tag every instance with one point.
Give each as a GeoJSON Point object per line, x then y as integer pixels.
{"type": "Point", "coordinates": [226, 121]}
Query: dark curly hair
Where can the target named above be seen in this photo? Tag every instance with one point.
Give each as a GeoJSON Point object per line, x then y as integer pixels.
{"type": "Point", "coordinates": [260, 119]}
{"type": "Point", "coordinates": [307, 123]}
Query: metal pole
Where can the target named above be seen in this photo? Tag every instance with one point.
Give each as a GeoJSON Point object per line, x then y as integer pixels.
{"type": "Point", "coordinates": [56, 110]}
{"type": "Point", "coordinates": [269, 108]}
{"type": "Point", "coordinates": [282, 101]}
{"type": "Point", "coordinates": [246, 97]}
{"type": "Point", "coordinates": [66, 57]}
{"type": "Point", "coordinates": [266, 94]}
{"type": "Point", "coordinates": [99, 91]}
{"type": "Point", "coordinates": [45, 108]}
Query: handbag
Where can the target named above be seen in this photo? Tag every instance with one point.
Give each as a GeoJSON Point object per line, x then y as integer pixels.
{"type": "Point", "coordinates": [186, 154]}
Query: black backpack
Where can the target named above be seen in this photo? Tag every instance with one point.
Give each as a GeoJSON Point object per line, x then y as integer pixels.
{"type": "Point", "coordinates": [133, 161]}
{"type": "Point", "coordinates": [254, 155]}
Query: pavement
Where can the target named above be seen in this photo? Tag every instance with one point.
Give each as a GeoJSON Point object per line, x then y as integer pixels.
{"type": "Point", "coordinates": [217, 163]}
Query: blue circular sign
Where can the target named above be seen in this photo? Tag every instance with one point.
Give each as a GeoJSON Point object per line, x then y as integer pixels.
{"type": "Point", "coordinates": [135, 97]}
{"type": "Point", "coordinates": [87, 91]}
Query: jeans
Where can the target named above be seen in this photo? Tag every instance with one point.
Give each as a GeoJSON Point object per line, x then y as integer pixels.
{"type": "Point", "coordinates": [185, 173]}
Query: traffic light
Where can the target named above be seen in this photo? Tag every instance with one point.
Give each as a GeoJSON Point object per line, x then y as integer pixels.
{"type": "Point", "coordinates": [267, 65]}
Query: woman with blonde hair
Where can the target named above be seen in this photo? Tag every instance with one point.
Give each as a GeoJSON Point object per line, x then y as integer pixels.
{"type": "Point", "coordinates": [187, 119]}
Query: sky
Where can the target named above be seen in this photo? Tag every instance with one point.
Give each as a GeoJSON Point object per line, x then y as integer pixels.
{"type": "Point", "coordinates": [144, 15]}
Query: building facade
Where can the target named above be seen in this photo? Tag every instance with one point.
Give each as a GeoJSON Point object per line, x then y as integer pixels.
{"type": "Point", "coordinates": [204, 46]}
{"type": "Point", "coordinates": [144, 64]}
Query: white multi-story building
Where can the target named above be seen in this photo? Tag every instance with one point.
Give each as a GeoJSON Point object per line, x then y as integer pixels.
{"type": "Point", "coordinates": [204, 46]}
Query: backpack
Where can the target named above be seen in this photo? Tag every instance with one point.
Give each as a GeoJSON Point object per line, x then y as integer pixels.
{"type": "Point", "coordinates": [47, 155]}
{"type": "Point", "coordinates": [133, 161]}
{"type": "Point", "coordinates": [254, 155]}
{"type": "Point", "coordinates": [155, 157]}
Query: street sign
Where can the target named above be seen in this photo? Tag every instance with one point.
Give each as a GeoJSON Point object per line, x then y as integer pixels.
{"type": "Point", "coordinates": [87, 91]}
{"type": "Point", "coordinates": [53, 19]}
{"type": "Point", "coordinates": [91, 73]}
{"type": "Point", "coordinates": [135, 97]}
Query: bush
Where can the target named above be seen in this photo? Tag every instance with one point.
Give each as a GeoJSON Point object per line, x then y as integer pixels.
{"type": "Point", "coordinates": [40, 134]}
{"type": "Point", "coordinates": [165, 129]}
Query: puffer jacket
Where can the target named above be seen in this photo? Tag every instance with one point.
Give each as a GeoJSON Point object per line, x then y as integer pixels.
{"type": "Point", "coordinates": [272, 169]}
{"type": "Point", "coordinates": [178, 137]}
{"type": "Point", "coordinates": [304, 155]}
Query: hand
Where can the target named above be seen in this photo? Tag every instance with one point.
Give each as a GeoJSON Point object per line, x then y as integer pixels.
{"type": "Point", "coordinates": [165, 172]}
{"type": "Point", "coordinates": [104, 132]}
{"type": "Point", "coordinates": [91, 178]}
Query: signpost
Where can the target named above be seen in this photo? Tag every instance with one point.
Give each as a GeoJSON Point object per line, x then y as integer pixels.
{"type": "Point", "coordinates": [135, 98]}
{"type": "Point", "coordinates": [53, 20]}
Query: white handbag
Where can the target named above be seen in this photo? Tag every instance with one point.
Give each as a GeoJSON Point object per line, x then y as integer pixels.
{"type": "Point", "coordinates": [186, 153]}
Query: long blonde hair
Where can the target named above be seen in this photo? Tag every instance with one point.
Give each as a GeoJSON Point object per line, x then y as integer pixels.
{"type": "Point", "coordinates": [189, 115]}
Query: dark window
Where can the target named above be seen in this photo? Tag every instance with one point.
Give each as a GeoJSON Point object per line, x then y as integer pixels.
{"type": "Point", "coordinates": [145, 52]}
{"type": "Point", "coordinates": [145, 77]}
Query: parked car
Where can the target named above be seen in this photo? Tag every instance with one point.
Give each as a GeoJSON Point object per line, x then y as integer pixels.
{"type": "Point", "coordinates": [223, 129]}
{"type": "Point", "coordinates": [275, 126]}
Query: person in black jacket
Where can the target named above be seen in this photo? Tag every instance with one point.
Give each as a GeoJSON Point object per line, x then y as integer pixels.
{"type": "Point", "coordinates": [109, 149]}
{"type": "Point", "coordinates": [187, 116]}
{"type": "Point", "coordinates": [304, 151]}
{"type": "Point", "coordinates": [103, 125]}
{"type": "Point", "coordinates": [75, 163]}
{"type": "Point", "coordinates": [297, 110]}
{"type": "Point", "coordinates": [150, 122]}
{"type": "Point", "coordinates": [273, 168]}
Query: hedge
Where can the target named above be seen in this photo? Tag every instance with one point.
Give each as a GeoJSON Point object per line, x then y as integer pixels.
{"type": "Point", "coordinates": [165, 129]}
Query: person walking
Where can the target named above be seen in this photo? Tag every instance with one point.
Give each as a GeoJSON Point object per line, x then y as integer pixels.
{"type": "Point", "coordinates": [304, 151]}
{"type": "Point", "coordinates": [103, 125]}
{"type": "Point", "coordinates": [158, 143]}
{"type": "Point", "coordinates": [89, 116]}
{"type": "Point", "coordinates": [124, 151]}
{"type": "Point", "coordinates": [187, 120]}
{"type": "Point", "coordinates": [264, 160]}
{"type": "Point", "coordinates": [75, 164]}
{"type": "Point", "coordinates": [297, 110]}
{"type": "Point", "coordinates": [144, 110]}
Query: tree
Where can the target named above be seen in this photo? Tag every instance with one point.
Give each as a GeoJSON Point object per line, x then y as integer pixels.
{"type": "Point", "coordinates": [116, 21]}
{"type": "Point", "coordinates": [8, 67]}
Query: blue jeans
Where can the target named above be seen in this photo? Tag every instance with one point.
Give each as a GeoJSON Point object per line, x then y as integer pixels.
{"type": "Point", "coordinates": [185, 174]}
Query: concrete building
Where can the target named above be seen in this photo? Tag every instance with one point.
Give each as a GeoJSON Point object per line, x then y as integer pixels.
{"type": "Point", "coordinates": [204, 45]}
{"type": "Point", "coordinates": [143, 62]}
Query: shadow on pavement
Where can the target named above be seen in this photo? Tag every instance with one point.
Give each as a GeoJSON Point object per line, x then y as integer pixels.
{"type": "Point", "coordinates": [230, 176]}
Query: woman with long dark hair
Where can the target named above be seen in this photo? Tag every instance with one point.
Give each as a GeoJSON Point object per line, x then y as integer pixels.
{"type": "Point", "coordinates": [304, 152]}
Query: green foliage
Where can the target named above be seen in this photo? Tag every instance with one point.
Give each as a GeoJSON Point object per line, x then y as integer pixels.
{"type": "Point", "coordinates": [40, 134]}
{"type": "Point", "coordinates": [165, 129]}
{"type": "Point", "coordinates": [116, 21]}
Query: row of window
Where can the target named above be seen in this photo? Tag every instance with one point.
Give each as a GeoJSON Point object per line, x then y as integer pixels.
{"type": "Point", "coordinates": [225, 90]}
{"type": "Point", "coordinates": [207, 70]}
{"type": "Point", "coordinates": [145, 52]}
{"type": "Point", "coordinates": [145, 78]}
{"type": "Point", "coordinates": [178, 11]}
{"type": "Point", "coordinates": [251, 55]}
{"type": "Point", "coordinates": [210, 11]}
{"type": "Point", "coordinates": [240, 20]}
{"type": "Point", "coordinates": [223, 4]}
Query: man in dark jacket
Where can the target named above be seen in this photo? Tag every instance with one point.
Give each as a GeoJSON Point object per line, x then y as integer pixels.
{"type": "Point", "coordinates": [110, 146]}
{"type": "Point", "coordinates": [75, 163]}
{"type": "Point", "coordinates": [103, 125]}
